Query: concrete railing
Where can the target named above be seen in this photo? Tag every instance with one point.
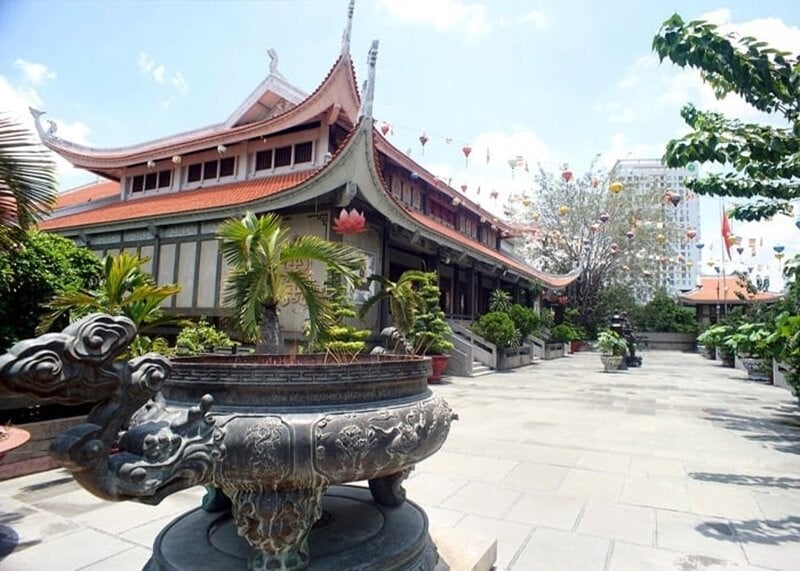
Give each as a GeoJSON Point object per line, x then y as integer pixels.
{"type": "Point", "coordinates": [665, 341]}
{"type": "Point", "coordinates": [482, 350]}
{"type": "Point", "coordinates": [460, 363]}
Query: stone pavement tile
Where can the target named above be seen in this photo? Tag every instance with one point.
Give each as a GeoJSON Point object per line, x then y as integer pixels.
{"type": "Point", "coordinates": [72, 503]}
{"type": "Point", "coordinates": [442, 518]}
{"type": "Point", "coordinates": [131, 560]}
{"type": "Point", "coordinates": [32, 526]}
{"type": "Point", "coordinates": [627, 557]}
{"type": "Point", "coordinates": [615, 521]}
{"type": "Point", "coordinates": [550, 454]}
{"type": "Point", "coordinates": [510, 536]}
{"type": "Point", "coordinates": [432, 489]}
{"type": "Point", "coordinates": [591, 484]}
{"type": "Point", "coordinates": [604, 462]}
{"type": "Point", "coordinates": [146, 534]}
{"type": "Point", "coordinates": [697, 535]}
{"type": "Point", "coordinates": [484, 499]}
{"type": "Point", "coordinates": [550, 510]}
{"type": "Point", "coordinates": [39, 486]}
{"type": "Point", "coordinates": [554, 550]}
{"type": "Point", "coordinates": [71, 551]}
{"type": "Point", "coordinates": [656, 466]}
{"type": "Point", "coordinates": [722, 501]}
{"type": "Point", "coordinates": [778, 506]}
{"type": "Point", "coordinates": [531, 476]}
{"type": "Point", "coordinates": [775, 548]}
{"type": "Point", "coordinates": [467, 466]}
{"type": "Point", "coordinates": [656, 492]}
{"type": "Point", "coordinates": [118, 517]}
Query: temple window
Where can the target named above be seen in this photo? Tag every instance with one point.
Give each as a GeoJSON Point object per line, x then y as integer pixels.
{"type": "Point", "coordinates": [283, 156]}
{"type": "Point", "coordinates": [211, 170]}
{"type": "Point", "coordinates": [150, 181]}
{"type": "Point", "coordinates": [303, 152]}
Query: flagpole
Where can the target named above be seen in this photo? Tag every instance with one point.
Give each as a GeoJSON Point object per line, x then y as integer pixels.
{"type": "Point", "coordinates": [725, 249]}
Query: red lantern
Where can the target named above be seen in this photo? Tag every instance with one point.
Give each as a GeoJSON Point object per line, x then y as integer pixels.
{"type": "Point", "coordinates": [385, 128]}
{"type": "Point", "coordinates": [566, 175]}
{"type": "Point", "coordinates": [423, 139]}
{"type": "Point", "coordinates": [353, 222]}
{"type": "Point", "coordinates": [466, 149]}
{"type": "Point", "coordinates": [691, 233]}
{"type": "Point", "coordinates": [675, 198]}
{"type": "Point", "coordinates": [464, 188]}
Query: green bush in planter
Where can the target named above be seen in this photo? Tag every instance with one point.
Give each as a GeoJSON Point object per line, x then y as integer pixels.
{"type": "Point", "coordinates": [429, 335]}
{"type": "Point", "coordinates": [610, 343]}
{"type": "Point", "coordinates": [497, 328]}
{"type": "Point", "coordinates": [715, 336]}
{"type": "Point", "coordinates": [200, 338]}
{"type": "Point", "coordinates": [525, 319]}
{"type": "Point", "coordinates": [749, 339]}
{"type": "Point", "coordinates": [563, 333]}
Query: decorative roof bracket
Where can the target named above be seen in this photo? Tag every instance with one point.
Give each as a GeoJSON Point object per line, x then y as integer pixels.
{"type": "Point", "coordinates": [348, 28]}
{"type": "Point", "coordinates": [347, 194]}
{"type": "Point", "coordinates": [369, 86]}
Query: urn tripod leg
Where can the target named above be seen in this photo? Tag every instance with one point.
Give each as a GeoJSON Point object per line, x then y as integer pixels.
{"type": "Point", "coordinates": [388, 490]}
{"type": "Point", "coordinates": [276, 524]}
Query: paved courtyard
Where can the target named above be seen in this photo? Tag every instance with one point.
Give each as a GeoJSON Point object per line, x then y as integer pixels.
{"type": "Point", "coordinates": [680, 465]}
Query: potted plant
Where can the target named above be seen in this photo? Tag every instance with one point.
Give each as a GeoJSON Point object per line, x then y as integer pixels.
{"type": "Point", "coordinates": [498, 329]}
{"type": "Point", "coordinates": [750, 342]}
{"type": "Point", "coordinates": [430, 332]}
{"type": "Point", "coordinates": [715, 337]}
{"type": "Point", "coordinates": [414, 307]}
{"type": "Point", "coordinates": [612, 349]}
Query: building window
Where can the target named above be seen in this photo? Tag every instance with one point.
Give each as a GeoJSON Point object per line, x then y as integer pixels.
{"type": "Point", "coordinates": [264, 160]}
{"type": "Point", "coordinates": [303, 152]}
{"type": "Point", "coordinates": [150, 181]}
{"type": "Point", "coordinates": [227, 166]}
{"type": "Point", "coordinates": [164, 179]}
{"type": "Point", "coordinates": [443, 213]}
{"type": "Point", "coordinates": [283, 156]}
{"type": "Point", "coordinates": [138, 183]}
{"type": "Point", "coordinates": [195, 172]}
{"type": "Point", "coordinates": [210, 169]}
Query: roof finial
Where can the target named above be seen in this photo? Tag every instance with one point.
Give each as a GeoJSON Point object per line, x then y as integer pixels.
{"type": "Point", "coordinates": [348, 28]}
{"type": "Point", "coordinates": [369, 88]}
{"type": "Point", "coordinates": [273, 61]}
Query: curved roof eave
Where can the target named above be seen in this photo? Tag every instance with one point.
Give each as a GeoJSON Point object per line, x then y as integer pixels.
{"type": "Point", "coordinates": [341, 74]}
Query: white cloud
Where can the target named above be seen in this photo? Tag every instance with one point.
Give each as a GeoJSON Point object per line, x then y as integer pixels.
{"type": "Point", "coordinates": [16, 100]}
{"type": "Point", "coordinates": [174, 82]}
{"type": "Point", "coordinates": [36, 73]}
{"type": "Point", "coordinates": [536, 18]}
{"type": "Point", "coordinates": [442, 15]}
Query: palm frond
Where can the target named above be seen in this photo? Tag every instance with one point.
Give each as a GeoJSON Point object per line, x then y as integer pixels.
{"type": "Point", "coordinates": [320, 312]}
{"type": "Point", "coordinates": [244, 293]}
{"type": "Point", "coordinates": [28, 187]}
{"type": "Point", "coordinates": [346, 260]}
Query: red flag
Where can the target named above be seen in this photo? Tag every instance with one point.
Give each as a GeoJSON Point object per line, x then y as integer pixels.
{"type": "Point", "coordinates": [726, 233]}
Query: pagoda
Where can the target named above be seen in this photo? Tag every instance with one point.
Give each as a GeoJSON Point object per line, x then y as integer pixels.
{"type": "Point", "coordinates": [308, 157]}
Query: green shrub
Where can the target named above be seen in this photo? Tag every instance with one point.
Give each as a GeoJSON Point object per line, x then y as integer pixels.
{"type": "Point", "coordinates": [663, 314]}
{"type": "Point", "coordinates": [525, 319]}
{"type": "Point", "coordinates": [498, 328]}
{"type": "Point", "coordinates": [201, 338]}
{"type": "Point", "coordinates": [500, 300]}
{"type": "Point", "coordinates": [609, 343]}
{"type": "Point", "coordinates": [429, 335]}
{"type": "Point", "coordinates": [563, 333]}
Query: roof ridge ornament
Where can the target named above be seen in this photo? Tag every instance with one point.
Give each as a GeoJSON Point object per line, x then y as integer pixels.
{"type": "Point", "coordinates": [348, 28]}
{"type": "Point", "coordinates": [50, 132]}
{"type": "Point", "coordinates": [369, 86]}
{"type": "Point", "coordinates": [273, 62]}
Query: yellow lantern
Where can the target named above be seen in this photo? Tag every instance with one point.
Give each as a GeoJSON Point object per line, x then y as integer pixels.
{"type": "Point", "coordinates": [710, 263]}
{"type": "Point", "coordinates": [615, 187]}
{"type": "Point", "coordinates": [535, 216]}
{"type": "Point", "coordinates": [564, 210]}
{"type": "Point", "coordinates": [690, 264]}
{"type": "Point", "coordinates": [660, 239]}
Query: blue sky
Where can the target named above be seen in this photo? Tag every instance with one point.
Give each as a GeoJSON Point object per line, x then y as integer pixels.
{"type": "Point", "coordinates": [553, 81]}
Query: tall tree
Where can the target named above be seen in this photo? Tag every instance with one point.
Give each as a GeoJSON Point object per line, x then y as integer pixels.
{"type": "Point", "coordinates": [28, 187]}
{"type": "Point", "coordinates": [762, 161]}
{"type": "Point", "coordinates": [624, 237]}
{"type": "Point", "coordinates": [267, 264]}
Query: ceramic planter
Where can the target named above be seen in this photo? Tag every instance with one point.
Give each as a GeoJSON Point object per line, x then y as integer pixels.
{"type": "Point", "coordinates": [757, 369]}
{"type": "Point", "coordinates": [438, 366]}
{"type": "Point", "coordinates": [611, 362]}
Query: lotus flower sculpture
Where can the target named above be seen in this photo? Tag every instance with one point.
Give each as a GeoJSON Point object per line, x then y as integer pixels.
{"type": "Point", "coordinates": [353, 222]}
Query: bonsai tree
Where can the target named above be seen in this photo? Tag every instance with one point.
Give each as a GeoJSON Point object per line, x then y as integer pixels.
{"type": "Point", "coordinates": [340, 339]}
{"type": "Point", "coordinates": [609, 343]}
{"type": "Point", "coordinates": [430, 330]}
{"type": "Point", "coordinates": [264, 269]}
{"type": "Point", "coordinates": [403, 297]}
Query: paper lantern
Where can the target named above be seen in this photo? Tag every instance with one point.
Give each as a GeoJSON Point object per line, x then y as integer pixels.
{"type": "Point", "coordinates": [494, 194]}
{"type": "Point", "coordinates": [699, 245]}
{"type": "Point", "coordinates": [422, 140]}
{"type": "Point", "coordinates": [385, 128]}
{"type": "Point", "coordinates": [615, 187]}
{"type": "Point", "coordinates": [675, 198]}
{"type": "Point", "coordinates": [594, 227]}
{"type": "Point", "coordinates": [626, 269]}
{"type": "Point", "coordinates": [463, 188]}
{"type": "Point", "coordinates": [691, 234]}
{"type": "Point", "coordinates": [740, 249]}
{"type": "Point", "coordinates": [566, 175]}
{"type": "Point", "coordinates": [660, 239]}
{"type": "Point", "coordinates": [604, 217]}
{"type": "Point", "coordinates": [779, 248]}
{"type": "Point", "coordinates": [466, 149]}
{"type": "Point", "coordinates": [629, 234]}
{"type": "Point", "coordinates": [563, 210]}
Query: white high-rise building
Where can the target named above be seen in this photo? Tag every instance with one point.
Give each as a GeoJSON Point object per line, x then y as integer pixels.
{"type": "Point", "coordinates": [651, 174]}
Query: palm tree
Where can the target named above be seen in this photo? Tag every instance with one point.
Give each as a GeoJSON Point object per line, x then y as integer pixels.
{"type": "Point", "coordinates": [125, 289]}
{"type": "Point", "coordinates": [28, 187]}
{"type": "Point", "coordinates": [267, 265]}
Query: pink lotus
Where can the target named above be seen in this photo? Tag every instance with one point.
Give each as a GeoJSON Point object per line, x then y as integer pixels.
{"type": "Point", "coordinates": [353, 222]}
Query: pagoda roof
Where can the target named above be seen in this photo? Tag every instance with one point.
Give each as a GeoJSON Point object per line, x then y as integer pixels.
{"type": "Point", "coordinates": [88, 193]}
{"type": "Point", "coordinates": [727, 289]}
{"type": "Point", "coordinates": [336, 99]}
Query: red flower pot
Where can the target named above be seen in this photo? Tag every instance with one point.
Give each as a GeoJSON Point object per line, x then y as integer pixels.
{"type": "Point", "coordinates": [439, 365]}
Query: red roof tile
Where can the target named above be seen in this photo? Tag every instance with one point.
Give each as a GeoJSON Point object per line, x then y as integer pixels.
{"type": "Point", "coordinates": [88, 193]}
{"type": "Point", "coordinates": [179, 202]}
{"type": "Point", "coordinates": [712, 290]}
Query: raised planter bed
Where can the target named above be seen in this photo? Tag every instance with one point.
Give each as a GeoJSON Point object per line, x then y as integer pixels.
{"type": "Point", "coordinates": [656, 340]}
{"type": "Point", "coordinates": [513, 358]}
{"type": "Point", "coordinates": [553, 350]}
